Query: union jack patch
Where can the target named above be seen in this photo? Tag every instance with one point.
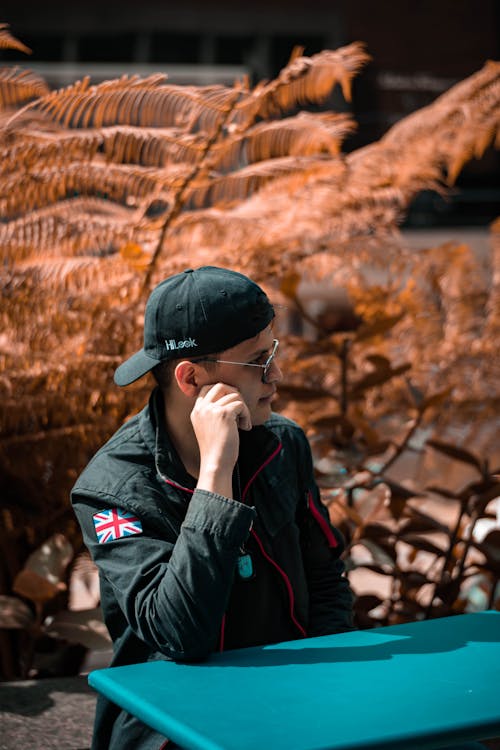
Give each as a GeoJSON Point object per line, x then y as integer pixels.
{"type": "Point", "coordinates": [115, 524]}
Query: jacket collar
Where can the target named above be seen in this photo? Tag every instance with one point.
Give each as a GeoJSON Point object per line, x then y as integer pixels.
{"type": "Point", "coordinates": [257, 447]}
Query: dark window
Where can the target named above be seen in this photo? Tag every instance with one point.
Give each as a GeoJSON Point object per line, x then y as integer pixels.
{"type": "Point", "coordinates": [106, 48]}
{"type": "Point", "coordinates": [233, 50]}
{"type": "Point", "coordinates": [46, 48]}
{"type": "Point", "coordinates": [175, 48]}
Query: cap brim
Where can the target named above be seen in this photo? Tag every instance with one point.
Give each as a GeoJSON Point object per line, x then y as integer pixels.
{"type": "Point", "coordinates": [134, 368]}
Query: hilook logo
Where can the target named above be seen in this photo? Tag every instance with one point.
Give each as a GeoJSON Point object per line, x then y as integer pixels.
{"type": "Point", "coordinates": [172, 344]}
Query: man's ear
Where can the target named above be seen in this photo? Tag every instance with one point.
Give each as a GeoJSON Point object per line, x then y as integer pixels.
{"type": "Point", "coordinates": [187, 375]}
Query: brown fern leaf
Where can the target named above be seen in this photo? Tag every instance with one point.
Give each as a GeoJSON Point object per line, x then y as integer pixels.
{"type": "Point", "coordinates": [296, 177]}
{"type": "Point", "coordinates": [487, 135]}
{"type": "Point", "coordinates": [352, 215]}
{"type": "Point", "coordinates": [29, 151]}
{"type": "Point", "coordinates": [17, 85]}
{"type": "Point", "coordinates": [291, 212]}
{"type": "Point", "coordinates": [27, 120]}
{"type": "Point", "coordinates": [140, 102]}
{"type": "Point", "coordinates": [470, 144]}
{"type": "Point", "coordinates": [451, 108]}
{"type": "Point", "coordinates": [151, 147]}
{"type": "Point", "coordinates": [304, 80]}
{"type": "Point", "coordinates": [129, 185]}
{"type": "Point", "coordinates": [8, 41]}
{"type": "Point", "coordinates": [47, 434]}
{"type": "Point", "coordinates": [43, 232]}
{"type": "Point", "coordinates": [381, 165]}
{"type": "Point", "coordinates": [456, 127]}
{"type": "Point", "coordinates": [475, 85]}
{"type": "Point", "coordinates": [305, 134]}
{"type": "Point", "coordinates": [235, 186]}
{"type": "Point", "coordinates": [89, 207]}
{"type": "Point", "coordinates": [51, 275]}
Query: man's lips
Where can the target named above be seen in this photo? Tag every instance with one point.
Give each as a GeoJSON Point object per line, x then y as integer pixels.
{"type": "Point", "coordinates": [270, 397]}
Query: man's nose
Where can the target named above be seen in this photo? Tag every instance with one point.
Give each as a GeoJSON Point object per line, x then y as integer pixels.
{"type": "Point", "coordinates": [275, 374]}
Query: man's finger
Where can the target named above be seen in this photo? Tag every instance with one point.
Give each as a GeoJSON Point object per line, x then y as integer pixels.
{"type": "Point", "coordinates": [216, 390]}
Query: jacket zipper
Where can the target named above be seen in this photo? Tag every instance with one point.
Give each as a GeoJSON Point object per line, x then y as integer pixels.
{"type": "Point", "coordinates": [288, 584]}
{"type": "Point", "coordinates": [263, 466]}
{"type": "Point", "coordinates": [289, 588]}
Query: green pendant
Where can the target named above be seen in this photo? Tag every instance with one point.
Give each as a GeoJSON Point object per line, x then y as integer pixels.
{"type": "Point", "coordinates": [245, 567]}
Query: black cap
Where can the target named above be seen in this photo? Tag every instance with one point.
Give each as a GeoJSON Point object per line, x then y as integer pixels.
{"type": "Point", "coordinates": [196, 313]}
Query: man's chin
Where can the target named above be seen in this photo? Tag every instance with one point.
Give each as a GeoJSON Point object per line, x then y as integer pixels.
{"type": "Point", "coordinates": [261, 414]}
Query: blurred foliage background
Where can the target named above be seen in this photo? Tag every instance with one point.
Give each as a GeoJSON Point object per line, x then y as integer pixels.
{"type": "Point", "coordinates": [390, 354]}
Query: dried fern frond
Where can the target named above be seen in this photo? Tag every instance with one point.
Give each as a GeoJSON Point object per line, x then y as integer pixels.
{"type": "Point", "coordinates": [17, 85]}
{"type": "Point", "coordinates": [149, 103]}
{"type": "Point", "coordinates": [122, 183]}
{"type": "Point", "coordinates": [297, 177]}
{"type": "Point", "coordinates": [50, 275]}
{"type": "Point", "coordinates": [8, 41]}
{"type": "Point", "coordinates": [44, 231]}
{"type": "Point", "coordinates": [478, 94]}
{"type": "Point", "coordinates": [236, 186]}
{"type": "Point", "coordinates": [292, 212]}
{"type": "Point", "coordinates": [471, 144]}
{"type": "Point", "coordinates": [26, 120]}
{"type": "Point", "coordinates": [64, 106]}
{"type": "Point", "coordinates": [380, 165]}
{"type": "Point", "coordinates": [380, 179]}
{"type": "Point", "coordinates": [419, 151]}
{"type": "Point", "coordinates": [32, 150]}
{"type": "Point", "coordinates": [151, 147]}
{"type": "Point", "coordinates": [305, 80]}
{"type": "Point", "coordinates": [458, 126]}
{"type": "Point", "coordinates": [475, 85]}
{"type": "Point", "coordinates": [92, 206]}
{"type": "Point", "coordinates": [48, 433]}
{"type": "Point", "coordinates": [305, 134]}
{"type": "Point", "coordinates": [141, 102]}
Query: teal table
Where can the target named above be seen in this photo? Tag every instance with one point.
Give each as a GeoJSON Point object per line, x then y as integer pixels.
{"type": "Point", "coordinates": [419, 685]}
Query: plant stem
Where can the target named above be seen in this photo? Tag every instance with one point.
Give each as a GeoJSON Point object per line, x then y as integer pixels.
{"type": "Point", "coordinates": [344, 363]}
{"type": "Point", "coordinates": [402, 446]}
{"type": "Point", "coordinates": [449, 552]}
{"type": "Point", "coordinates": [180, 196]}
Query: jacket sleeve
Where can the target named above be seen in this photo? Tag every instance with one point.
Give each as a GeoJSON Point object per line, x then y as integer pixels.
{"type": "Point", "coordinates": [330, 595]}
{"type": "Point", "coordinates": [172, 588]}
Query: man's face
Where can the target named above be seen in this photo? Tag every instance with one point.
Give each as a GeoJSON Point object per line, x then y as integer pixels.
{"type": "Point", "coordinates": [257, 395]}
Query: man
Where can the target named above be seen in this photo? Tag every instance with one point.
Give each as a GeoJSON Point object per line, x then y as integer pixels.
{"type": "Point", "coordinates": [202, 512]}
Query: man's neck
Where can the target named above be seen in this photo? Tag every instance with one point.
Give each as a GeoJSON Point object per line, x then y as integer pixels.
{"type": "Point", "coordinates": [181, 433]}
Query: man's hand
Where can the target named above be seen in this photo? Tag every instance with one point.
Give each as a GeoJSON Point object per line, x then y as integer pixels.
{"type": "Point", "coordinates": [217, 415]}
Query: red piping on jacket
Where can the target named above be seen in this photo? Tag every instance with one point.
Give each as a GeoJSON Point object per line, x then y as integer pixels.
{"type": "Point", "coordinates": [323, 523]}
{"type": "Point", "coordinates": [286, 580]}
{"type": "Point", "coordinates": [268, 460]}
{"type": "Point", "coordinates": [261, 547]}
{"type": "Point", "coordinates": [178, 486]}
{"type": "Point", "coordinates": [222, 633]}
{"type": "Point", "coordinates": [243, 495]}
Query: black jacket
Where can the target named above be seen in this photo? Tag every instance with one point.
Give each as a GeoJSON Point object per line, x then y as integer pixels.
{"type": "Point", "coordinates": [170, 586]}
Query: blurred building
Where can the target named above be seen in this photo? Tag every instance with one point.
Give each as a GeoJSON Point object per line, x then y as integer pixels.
{"type": "Point", "coordinates": [419, 47]}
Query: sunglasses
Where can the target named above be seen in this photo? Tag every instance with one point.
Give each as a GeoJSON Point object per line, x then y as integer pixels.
{"type": "Point", "coordinates": [264, 367]}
